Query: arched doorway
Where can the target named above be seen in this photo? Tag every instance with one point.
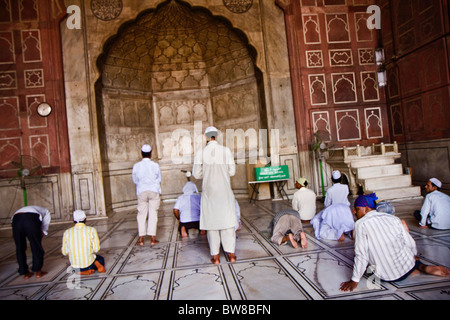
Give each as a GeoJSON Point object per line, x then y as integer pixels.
{"type": "Point", "coordinates": [172, 68]}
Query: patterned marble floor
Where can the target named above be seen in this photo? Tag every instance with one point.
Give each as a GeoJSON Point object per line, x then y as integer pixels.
{"type": "Point", "coordinates": [179, 269]}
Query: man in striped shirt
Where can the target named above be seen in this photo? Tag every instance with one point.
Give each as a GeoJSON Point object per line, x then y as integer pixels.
{"type": "Point", "coordinates": [383, 242]}
{"type": "Point", "coordinates": [81, 243]}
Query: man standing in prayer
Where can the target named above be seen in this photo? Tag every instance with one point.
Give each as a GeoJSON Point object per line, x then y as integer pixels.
{"type": "Point", "coordinates": [30, 222]}
{"type": "Point", "coordinates": [382, 241]}
{"type": "Point", "coordinates": [435, 212]}
{"type": "Point", "coordinates": [146, 175]}
{"type": "Point", "coordinates": [81, 244]}
{"type": "Point", "coordinates": [215, 164]}
{"type": "Point", "coordinates": [304, 200]}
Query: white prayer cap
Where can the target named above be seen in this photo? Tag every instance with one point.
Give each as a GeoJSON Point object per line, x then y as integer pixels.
{"type": "Point", "coordinates": [146, 148]}
{"type": "Point", "coordinates": [302, 181]}
{"type": "Point", "coordinates": [79, 215]}
{"type": "Point", "coordinates": [336, 174]}
{"type": "Point", "coordinates": [211, 132]}
{"type": "Point", "coordinates": [436, 182]}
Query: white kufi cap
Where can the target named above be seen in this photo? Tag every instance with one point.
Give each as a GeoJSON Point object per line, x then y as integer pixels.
{"type": "Point", "coordinates": [79, 215]}
{"type": "Point", "coordinates": [146, 148]}
{"type": "Point", "coordinates": [211, 132]}
{"type": "Point", "coordinates": [436, 182]}
{"type": "Point", "coordinates": [336, 174]}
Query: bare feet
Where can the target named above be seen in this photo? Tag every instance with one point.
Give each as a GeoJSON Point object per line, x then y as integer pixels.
{"type": "Point", "coordinates": [153, 240]}
{"type": "Point", "coordinates": [292, 240]}
{"type": "Point", "coordinates": [232, 257]}
{"type": "Point", "coordinates": [40, 274]}
{"type": "Point", "coordinates": [86, 272]}
{"type": "Point", "coordinates": [184, 234]}
{"type": "Point", "coordinates": [215, 259]}
{"type": "Point", "coordinates": [140, 241]}
{"type": "Point", "coordinates": [28, 275]}
{"type": "Point", "coordinates": [100, 267]}
{"type": "Point", "coordinates": [342, 238]}
{"type": "Point", "coordinates": [303, 241]}
{"type": "Point", "coordinates": [440, 271]}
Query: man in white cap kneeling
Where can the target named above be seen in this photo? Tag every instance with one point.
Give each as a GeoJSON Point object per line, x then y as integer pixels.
{"type": "Point", "coordinates": [147, 177]}
{"type": "Point", "coordinates": [215, 164]}
{"type": "Point", "coordinates": [435, 212]}
{"type": "Point", "coordinates": [81, 243]}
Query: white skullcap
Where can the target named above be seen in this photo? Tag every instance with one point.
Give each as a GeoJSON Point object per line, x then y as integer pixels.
{"type": "Point", "coordinates": [436, 182]}
{"type": "Point", "coordinates": [146, 148]}
{"type": "Point", "coordinates": [79, 215]}
{"type": "Point", "coordinates": [336, 174]}
{"type": "Point", "coordinates": [211, 132]}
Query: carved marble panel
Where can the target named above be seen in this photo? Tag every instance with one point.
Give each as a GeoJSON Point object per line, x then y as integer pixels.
{"type": "Point", "coordinates": [366, 56]}
{"type": "Point", "coordinates": [318, 89]}
{"type": "Point", "coordinates": [348, 125]}
{"type": "Point", "coordinates": [34, 78]}
{"type": "Point", "coordinates": [338, 30]}
{"type": "Point", "coordinates": [8, 80]}
{"type": "Point", "coordinates": [369, 86]}
{"type": "Point", "coordinates": [7, 54]}
{"type": "Point", "coordinates": [5, 11]}
{"type": "Point", "coordinates": [9, 109]}
{"type": "Point", "coordinates": [314, 58]}
{"type": "Point", "coordinates": [10, 149]}
{"type": "Point", "coordinates": [40, 149]}
{"type": "Point", "coordinates": [28, 10]}
{"type": "Point", "coordinates": [311, 29]}
{"type": "Point", "coordinates": [362, 32]}
{"type": "Point", "coordinates": [321, 123]}
{"type": "Point", "coordinates": [344, 87]}
{"type": "Point", "coordinates": [414, 112]}
{"type": "Point", "coordinates": [374, 123]}
{"type": "Point", "coordinates": [397, 119]}
{"type": "Point", "coordinates": [340, 57]}
{"type": "Point", "coordinates": [34, 119]}
{"type": "Point", "coordinates": [31, 45]}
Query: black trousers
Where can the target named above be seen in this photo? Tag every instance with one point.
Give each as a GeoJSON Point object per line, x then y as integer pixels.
{"type": "Point", "coordinates": [28, 226]}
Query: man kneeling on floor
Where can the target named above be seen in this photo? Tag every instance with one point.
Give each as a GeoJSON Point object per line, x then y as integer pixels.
{"type": "Point", "coordinates": [383, 241]}
{"type": "Point", "coordinates": [287, 226]}
{"type": "Point", "coordinates": [81, 243]}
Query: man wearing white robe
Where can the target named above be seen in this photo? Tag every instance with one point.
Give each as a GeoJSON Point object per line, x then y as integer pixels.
{"type": "Point", "coordinates": [215, 164]}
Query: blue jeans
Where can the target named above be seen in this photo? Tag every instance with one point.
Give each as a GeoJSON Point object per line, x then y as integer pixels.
{"type": "Point", "coordinates": [92, 266]}
{"type": "Point", "coordinates": [416, 267]}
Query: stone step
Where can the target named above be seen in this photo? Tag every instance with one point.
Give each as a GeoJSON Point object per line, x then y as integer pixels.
{"type": "Point", "coordinates": [371, 161]}
{"type": "Point", "coordinates": [397, 193]}
{"type": "Point", "coordinates": [379, 171]}
{"type": "Point", "coordinates": [388, 182]}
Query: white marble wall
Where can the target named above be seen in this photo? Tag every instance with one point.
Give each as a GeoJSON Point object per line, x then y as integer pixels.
{"type": "Point", "coordinates": [101, 185]}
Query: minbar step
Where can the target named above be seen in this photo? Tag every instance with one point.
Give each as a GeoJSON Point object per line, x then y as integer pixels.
{"type": "Point", "coordinates": [397, 193]}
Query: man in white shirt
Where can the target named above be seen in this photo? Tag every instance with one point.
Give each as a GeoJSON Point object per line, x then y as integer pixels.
{"type": "Point", "coordinates": [304, 200]}
{"type": "Point", "coordinates": [146, 175]}
{"type": "Point", "coordinates": [337, 193]}
{"type": "Point", "coordinates": [215, 164]}
{"type": "Point", "coordinates": [187, 209]}
{"type": "Point", "coordinates": [382, 241]}
{"type": "Point", "coordinates": [30, 222]}
{"type": "Point", "coordinates": [435, 212]}
{"type": "Point", "coordinates": [336, 219]}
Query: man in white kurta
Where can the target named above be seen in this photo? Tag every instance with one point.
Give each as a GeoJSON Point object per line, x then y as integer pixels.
{"type": "Point", "coordinates": [215, 164]}
{"type": "Point", "coordinates": [304, 200]}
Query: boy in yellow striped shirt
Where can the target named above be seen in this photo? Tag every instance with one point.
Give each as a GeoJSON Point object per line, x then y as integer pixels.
{"type": "Point", "coordinates": [81, 243]}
